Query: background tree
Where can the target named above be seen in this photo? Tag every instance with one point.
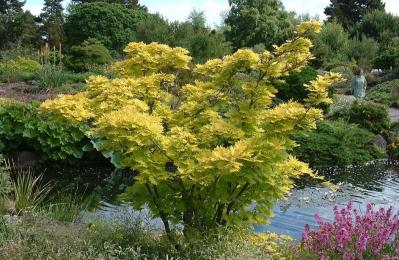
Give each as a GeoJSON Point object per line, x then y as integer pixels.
{"type": "Point", "coordinates": [154, 29]}
{"type": "Point", "coordinates": [364, 51]}
{"type": "Point", "coordinates": [252, 22]}
{"type": "Point", "coordinates": [11, 6]}
{"type": "Point", "coordinates": [17, 27]}
{"type": "Point", "coordinates": [52, 20]}
{"type": "Point", "coordinates": [112, 24]}
{"type": "Point", "coordinates": [331, 46]}
{"type": "Point", "coordinates": [203, 42]}
{"type": "Point", "coordinates": [134, 4]}
{"type": "Point", "coordinates": [379, 25]}
{"type": "Point", "coordinates": [349, 12]}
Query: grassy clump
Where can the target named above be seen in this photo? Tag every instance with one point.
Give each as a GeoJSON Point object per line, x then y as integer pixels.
{"type": "Point", "coordinates": [43, 239]}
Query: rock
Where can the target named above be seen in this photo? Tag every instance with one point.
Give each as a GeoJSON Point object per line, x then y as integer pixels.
{"type": "Point", "coordinates": [395, 93]}
{"type": "Point", "coordinates": [381, 142]}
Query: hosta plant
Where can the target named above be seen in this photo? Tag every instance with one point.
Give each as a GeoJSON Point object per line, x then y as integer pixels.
{"type": "Point", "coordinates": [23, 127]}
{"type": "Point", "coordinates": [212, 152]}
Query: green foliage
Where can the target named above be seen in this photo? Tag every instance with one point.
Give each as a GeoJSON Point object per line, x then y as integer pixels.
{"type": "Point", "coordinates": [387, 59]}
{"type": "Point", "coordinates": [22, 126]}
{"type": "Point", "coordinates": [19, 69]}
{"type": "Point", "coordinates": [155, 29]}
{"type": "Point", "coordinates": [369, 115]}
{"type": "Point", "coordinates": [254, 22]}
{"type": "Point", "coordinates": [350, 12]}
{"type": "Point", "coordinates": [18, 28]}
{"type": "Point", "coordinates": [50, 77]}
{"type": "Point", "coordinates": [337, 143]}
{"type": "Point", "coordinates": [52, 20]}
{"type": "Point", "coordinates": [28, 192]}
{"type": "Point", "coordinates": [379, 25]}
{"type": "Point", "coordinates": [293, 86]}
{"type": "Point", "coordinates": [332, 46]}
{"type": "Point", "coordinates": [134, 4]}
{"type": "Point", "coordinates": [364, 50]}
{"type": "Point", "coordinates": [385, 93]}
{"type": "Point", "coordinates": [90, 53]}
{"type": "Point", "coordinates": [115, 28]}
{"type": "Point", "coordinates": [203, 42]}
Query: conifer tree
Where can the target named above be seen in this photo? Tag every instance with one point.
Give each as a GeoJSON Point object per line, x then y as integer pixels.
{"type": "Point", "coordinates": [52, 20]}
{"type": "Point", "coordinates": [350, 12]}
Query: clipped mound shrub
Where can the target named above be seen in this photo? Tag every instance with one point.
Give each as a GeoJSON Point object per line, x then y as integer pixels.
{"type": "Point", "coordinates": [385, 93]}
{"type": "Point", "coordinates": [369, 115]}
{"type": "Point", "coordinates": [337, 143]}
{"type": "Point", "coordinates": [89, 54]}
{"type": "Point", "coordinates": [19, 69]}
{"type": "Point", "coordinates": [23, 127]}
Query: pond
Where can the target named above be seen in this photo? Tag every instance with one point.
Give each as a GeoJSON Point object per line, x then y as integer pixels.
{"type": "Point", "coordinates": [375, 182]}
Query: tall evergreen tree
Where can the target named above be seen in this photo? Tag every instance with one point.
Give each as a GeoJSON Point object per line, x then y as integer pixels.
{"type": "Point", "coordinates": [17, 27]}
{"type": "Point", "coordinates": [134, 4]}
{"type": "Point", "coordinates": [253, 22]}
{"type": "Point", "coordinates": [52, 20]}
{"type": "Point", "coordinates": [350, 12]}
{"type": "Point", "coordinates": [11, 6]}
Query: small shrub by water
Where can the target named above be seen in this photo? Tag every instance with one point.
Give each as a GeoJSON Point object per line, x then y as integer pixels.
{"type": "Point", "coordinates": [337, 143]}
{"type": "Point", "coordinates": [369, 115]}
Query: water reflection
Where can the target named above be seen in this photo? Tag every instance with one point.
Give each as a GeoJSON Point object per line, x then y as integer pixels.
{"type": "Point", "coordinates": [374, 182]}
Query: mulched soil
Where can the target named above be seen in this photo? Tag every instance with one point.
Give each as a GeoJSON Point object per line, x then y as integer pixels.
{"type": "Point", "coordinates": [24, 92]}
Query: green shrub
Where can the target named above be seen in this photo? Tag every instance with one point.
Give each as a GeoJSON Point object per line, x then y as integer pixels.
{"type": "Point", "coordinates": [371, 116]}
{"type": "Point", "coordinates": [51, 77]}
{"type": "Point", "coordinates": [23, 127]}
{"type": "Point", "coordinates": [387, 59]}
{"type": "Point", "coordinates": [294, 85]}
{"type": "Point", "coordinates": [337, 143]}
{"type": "Point", "coordinates": [89, 54]}
{"type": "Point", "coordinates": [19, 69]}
{"type": "Point", "coordinates": [364, 50]}
{"type": "Point", "coordinates": [384, 93]}
{"type": "Point", "coordinates": [341, 102]}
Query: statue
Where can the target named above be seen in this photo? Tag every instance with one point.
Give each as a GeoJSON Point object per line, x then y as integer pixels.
{"type": "Point", "coordinates": [359, 84]}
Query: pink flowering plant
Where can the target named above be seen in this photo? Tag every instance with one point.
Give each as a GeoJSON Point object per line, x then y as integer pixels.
{"type": "Point", "coordinates": [352, 235]}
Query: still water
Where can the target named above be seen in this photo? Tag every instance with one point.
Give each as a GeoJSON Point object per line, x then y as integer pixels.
{"type": "Point", "coordinates": [374, 182]}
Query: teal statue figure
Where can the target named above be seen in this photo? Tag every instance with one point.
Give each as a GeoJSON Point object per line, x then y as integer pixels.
{"type": "Point", "coordinates": [359, 85]}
